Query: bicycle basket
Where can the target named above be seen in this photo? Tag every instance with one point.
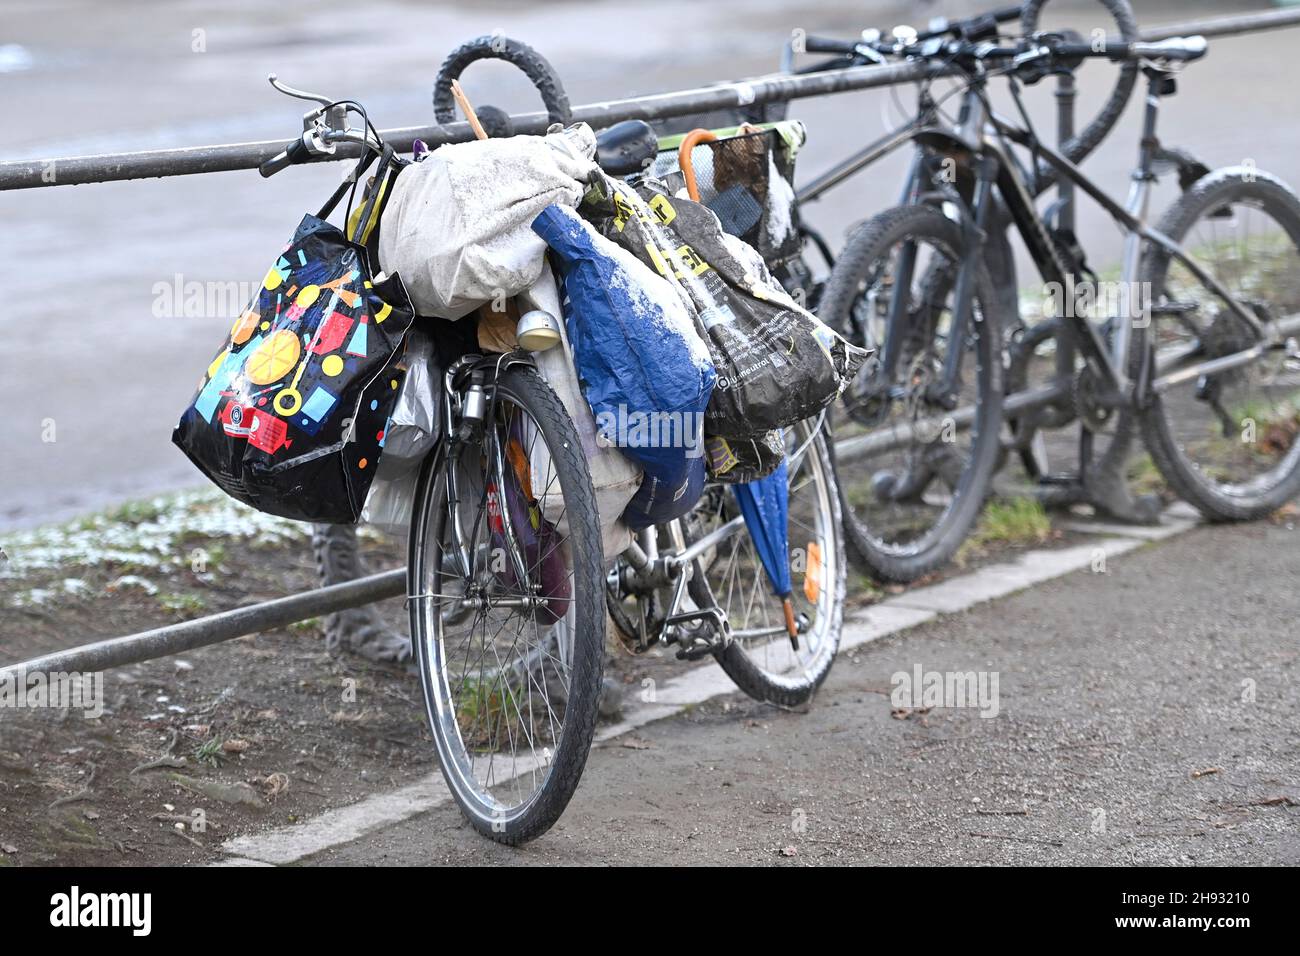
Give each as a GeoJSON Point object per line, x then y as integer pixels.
{"type": "Point", "coordinates": [745, 175]}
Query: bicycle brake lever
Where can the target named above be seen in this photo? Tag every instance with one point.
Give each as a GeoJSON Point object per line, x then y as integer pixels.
{"type": "Point", "coordinates": [298, 94]}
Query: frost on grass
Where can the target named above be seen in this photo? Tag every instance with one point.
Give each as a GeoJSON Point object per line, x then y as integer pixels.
{"type": "Point", "coordinates": [159, 535]}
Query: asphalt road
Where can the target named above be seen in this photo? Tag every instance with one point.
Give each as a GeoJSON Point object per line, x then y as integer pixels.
{"type": "Point", "coordinates": [1147, 715]}
{"type": "Point", "coordinates": [97, 360]}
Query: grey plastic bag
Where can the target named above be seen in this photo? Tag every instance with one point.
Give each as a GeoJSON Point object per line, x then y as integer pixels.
{"type": "Point", "coordinates": [412, 429]}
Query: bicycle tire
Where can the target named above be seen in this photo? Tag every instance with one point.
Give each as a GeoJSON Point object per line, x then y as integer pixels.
{"type": "Point", "coordinates": [523, 386]}
{"type": "Point", "coordinates": [864, 247]}
{"type": "Point", "coordinates": [1209, 193]}
{"type": "Point", "coordinates": [736, 662]}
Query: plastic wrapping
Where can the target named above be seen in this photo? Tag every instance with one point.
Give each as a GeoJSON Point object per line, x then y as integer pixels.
{"type": "Point", "coordinates": [643, 367]}
{"type": "Point", "coordinates": [457, 225]}
{"type": "Point", "coordinates": [777, 363]}
{"type": "Point", "coordinates": [614, 476]}
{"type": "Point", "coordinates": [412, 428]}
{"type": "Point", "coordinates": [410, 436]}
{"type": "Point", "coordinates": [391, 500]}
{"type": "Point", "coordinates": [736, 460]}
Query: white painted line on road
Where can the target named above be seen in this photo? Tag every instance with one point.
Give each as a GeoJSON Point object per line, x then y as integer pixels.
{"type": "Point", "coordinates": [241, 861]}
{"type": "Point", "coordinates": [702, 683]}
{"type": "Point", "coordinates": [880, 620]}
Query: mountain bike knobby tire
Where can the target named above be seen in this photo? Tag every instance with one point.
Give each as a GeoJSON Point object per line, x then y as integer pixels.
{"type": "Point", "coordinates": [875, 238]}
{"type": "Point", "coordinates": [1273, 197]}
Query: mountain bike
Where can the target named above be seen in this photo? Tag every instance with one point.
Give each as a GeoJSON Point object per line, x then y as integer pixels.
{"type": "Point", "coordinates": [908, 509]}
{"type": "Point", "coordinates": [1200, 347]}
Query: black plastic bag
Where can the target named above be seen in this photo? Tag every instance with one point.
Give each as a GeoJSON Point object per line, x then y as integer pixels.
{"type": "Point", "coordinates": [777, 363]}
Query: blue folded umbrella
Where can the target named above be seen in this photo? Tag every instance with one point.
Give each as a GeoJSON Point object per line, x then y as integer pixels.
{"type": "Point", "coordinates": [765, 506]}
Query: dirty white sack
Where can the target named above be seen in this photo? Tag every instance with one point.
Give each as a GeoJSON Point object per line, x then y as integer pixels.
{"type": "Point", "coordinates": [457, 225]}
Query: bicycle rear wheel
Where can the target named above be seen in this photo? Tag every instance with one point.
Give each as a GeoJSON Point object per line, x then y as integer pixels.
{"type": "Point", "coordinates": [761, 658]}
{"type": "Point", "coordinates": [1229, 443]}
{"type": "Point", "coordinates": [913, 471]}
{"type": "Point", "coordinates": [510, 651]}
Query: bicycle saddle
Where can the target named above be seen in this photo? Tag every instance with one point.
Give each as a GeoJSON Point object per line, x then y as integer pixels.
{"type": "Point", "coordinates": [626, 148]}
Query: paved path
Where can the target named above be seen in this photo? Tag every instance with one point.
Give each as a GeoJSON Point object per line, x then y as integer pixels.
{"type": "Point", "coordinates": [1147, 714]}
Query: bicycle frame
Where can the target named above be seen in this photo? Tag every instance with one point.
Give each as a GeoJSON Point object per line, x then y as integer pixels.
{"type": "Point", "coordinates": [650, 568]}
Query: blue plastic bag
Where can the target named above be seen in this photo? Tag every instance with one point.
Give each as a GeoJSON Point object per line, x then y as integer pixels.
{"type": "Point", "coordinates": [642, 365]}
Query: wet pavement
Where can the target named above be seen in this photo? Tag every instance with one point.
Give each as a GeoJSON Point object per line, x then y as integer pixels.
{"type": "Point", "coordinates": [100, 351]}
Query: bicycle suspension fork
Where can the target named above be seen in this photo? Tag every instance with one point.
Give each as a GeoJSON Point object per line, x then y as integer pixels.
{"type": "Point", "coordinates": [946, 390]}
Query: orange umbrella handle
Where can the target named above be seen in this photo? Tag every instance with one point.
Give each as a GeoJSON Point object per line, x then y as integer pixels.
{"type": "Point", "coordinates": [689, 142]}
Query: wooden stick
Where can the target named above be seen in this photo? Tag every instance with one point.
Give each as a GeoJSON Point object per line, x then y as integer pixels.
{"type": "Point", "coordinates": [468, 110]}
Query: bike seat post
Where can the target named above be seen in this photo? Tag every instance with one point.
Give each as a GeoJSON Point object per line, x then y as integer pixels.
{"type": "Point", "coordinates": [1066, 94]}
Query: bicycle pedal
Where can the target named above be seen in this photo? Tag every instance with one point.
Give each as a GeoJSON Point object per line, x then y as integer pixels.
{"type": "Point", "coordinates": [696, 650]}
{"type": "Point", "coordinates": [1060, 479]}
{"type": "Point", "coordinates": [708, 634]}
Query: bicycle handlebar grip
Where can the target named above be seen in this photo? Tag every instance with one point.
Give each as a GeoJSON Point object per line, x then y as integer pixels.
{"type": "Point", "coordinates": [829, 45]}
{"type": "Point", "coordinates": [1175, 48]}
{"type": "Point", "coordinates": [293, 153]}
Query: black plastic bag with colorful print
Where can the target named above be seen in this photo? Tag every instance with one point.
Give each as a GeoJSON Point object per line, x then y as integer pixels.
{"type": "Point", "coordinates": [290, 415]}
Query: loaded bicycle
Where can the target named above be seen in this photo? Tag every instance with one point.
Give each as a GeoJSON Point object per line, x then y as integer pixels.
{"type": "Point", "coordinates": [508, 586]}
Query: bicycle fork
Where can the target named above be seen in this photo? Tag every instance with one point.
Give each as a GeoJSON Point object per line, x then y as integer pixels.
{"type": "Point", "coordinates": [946, 390]}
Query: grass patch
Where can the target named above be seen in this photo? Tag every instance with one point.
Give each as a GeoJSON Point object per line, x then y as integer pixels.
{"type": "Point", "coordinates": [134, 512]}
{"type": "Point", "coordinates": [210, 753]}
{"type": "Point", "coordinates": [182, 603]}
{"type": "Point", "coordinates": [1144, 477]}
{"type": "Point", "coordinates": [1007, 521]}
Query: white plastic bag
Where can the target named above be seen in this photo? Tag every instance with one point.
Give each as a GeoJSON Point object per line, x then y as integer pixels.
{"type": "Point", "coordinates": [457, 225]}
{"type": "Point", "coordinates": [391, 500]}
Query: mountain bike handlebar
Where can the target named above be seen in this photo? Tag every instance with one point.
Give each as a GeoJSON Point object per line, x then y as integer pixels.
{"type": "Point", "coordinates": [1183, 49]}
{"type": "Point", "coordinates": [1062, 53]}
{"type": "Point", "coordinates": [977, 27]}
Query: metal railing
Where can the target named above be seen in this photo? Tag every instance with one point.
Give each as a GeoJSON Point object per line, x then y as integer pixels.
{"type": "Point", "coordinates": [240, 622]}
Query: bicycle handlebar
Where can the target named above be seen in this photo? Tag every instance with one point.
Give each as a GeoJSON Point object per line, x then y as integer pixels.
{"type": "Point", "coordinates": [975, 27]}
{"type": "Point", "coordinates": [1067, 53]}
{"type": "Point", "coordinates": [1184, 49]}
{"type": "Point", "coordinates": [313, 143]}
{"type": "Point", "coordinates": [292, 154]}
{"type": "Point", "coordinates": [830, 45]}
{"type": "Point", "coordinates": [978, 27]}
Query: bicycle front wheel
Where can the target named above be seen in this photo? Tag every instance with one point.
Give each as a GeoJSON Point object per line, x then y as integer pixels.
{"type": "Point", "coordinates": [507, 611]}
{"type": "Point", "coordinates": [1227, 442]}
{"type": "Point", "coordinates": [915, 466]}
